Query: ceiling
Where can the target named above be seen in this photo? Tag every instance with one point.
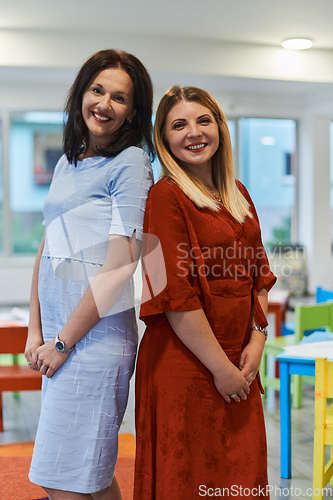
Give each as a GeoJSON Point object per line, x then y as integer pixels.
{"type": "Point", "coordinates": [257, 23]}
{"type": "Point", "coordinates": [266, 22]}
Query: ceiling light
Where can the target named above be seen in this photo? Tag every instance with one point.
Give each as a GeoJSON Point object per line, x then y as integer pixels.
{"type": "Point", "coordinates": [297, 44]}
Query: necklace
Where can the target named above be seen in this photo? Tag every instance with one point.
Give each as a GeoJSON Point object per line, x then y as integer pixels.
{"type": "Point", "coordinates": [216, 197]}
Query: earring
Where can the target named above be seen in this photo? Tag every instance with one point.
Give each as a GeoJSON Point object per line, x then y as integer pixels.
{"type": "Point", "coordinates": [129, 121]}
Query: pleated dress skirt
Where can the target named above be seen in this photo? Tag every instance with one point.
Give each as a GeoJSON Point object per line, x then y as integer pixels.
{"type": "Point", "coordinates": [84, 402]}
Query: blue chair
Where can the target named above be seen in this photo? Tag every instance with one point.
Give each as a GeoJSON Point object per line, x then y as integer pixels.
{"type": "Point", "coordinates": [323, 294]}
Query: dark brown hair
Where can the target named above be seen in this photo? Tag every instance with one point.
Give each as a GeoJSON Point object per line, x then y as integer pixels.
{"type": "Point", "coordinates": [138, 132]}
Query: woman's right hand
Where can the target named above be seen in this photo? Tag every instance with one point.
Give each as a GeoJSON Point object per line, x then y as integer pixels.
{"type": "Point", "coordinates": [34, 340]}
{"type": "Point", "coordinates": [230, 382]}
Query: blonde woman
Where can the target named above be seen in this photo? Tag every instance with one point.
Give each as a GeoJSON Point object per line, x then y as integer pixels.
{"type": "Point", "coordinates": [199, 420]}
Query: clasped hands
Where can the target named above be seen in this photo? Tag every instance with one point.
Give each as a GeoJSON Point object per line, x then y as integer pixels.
{"type": "Point", "coordinates": [234, 383]}
{"type": "Point", "coordinates": [44, 357]}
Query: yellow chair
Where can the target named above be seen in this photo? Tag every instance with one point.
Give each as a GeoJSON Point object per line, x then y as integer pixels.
{"type": "Point", "coordinates": [323, 433]}
{"type": "Point", "coordinates": [307, 317]}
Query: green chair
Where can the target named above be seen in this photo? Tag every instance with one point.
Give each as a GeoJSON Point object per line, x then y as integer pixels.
{"type": "Point", "coordinates": [307, 317]}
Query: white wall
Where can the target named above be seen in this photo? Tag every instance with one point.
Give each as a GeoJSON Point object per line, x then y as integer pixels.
{"type": "Point", "coordinates": [15, 281]}
{"type": "Point", "coordinates": [314, 197]}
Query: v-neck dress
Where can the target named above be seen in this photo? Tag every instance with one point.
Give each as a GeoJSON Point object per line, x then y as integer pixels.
{"type": "Point", "coordinates": [84, 402]}
{"type": "Point", "coordinates": [190, 442]}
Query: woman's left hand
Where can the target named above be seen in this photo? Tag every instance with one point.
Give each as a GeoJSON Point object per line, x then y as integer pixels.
{"type": "Point", "coordinates": [250, 358]}
{"type": "Point", "coordinates": [49, 359]}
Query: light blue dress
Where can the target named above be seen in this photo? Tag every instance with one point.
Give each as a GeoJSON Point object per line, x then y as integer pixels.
{"type": "Point", "coordinates": [84, 402]}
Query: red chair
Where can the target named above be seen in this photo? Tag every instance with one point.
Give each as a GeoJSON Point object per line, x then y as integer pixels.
{"type": "Point", "coordinates": [16, 378]}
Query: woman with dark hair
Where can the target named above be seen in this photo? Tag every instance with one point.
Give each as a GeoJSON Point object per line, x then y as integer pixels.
{"type": "Point", "coordinates": [199, 419]}
{"type": "Point", "coordinates": [82, 330]}
{"type": "Point", "coordinates": [132, 132]}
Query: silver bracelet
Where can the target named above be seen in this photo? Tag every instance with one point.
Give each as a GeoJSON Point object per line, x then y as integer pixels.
{"type": "Point", "coordinates": [262, 330]}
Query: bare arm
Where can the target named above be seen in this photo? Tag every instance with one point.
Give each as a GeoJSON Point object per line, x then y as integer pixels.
{"type": "Point", "coordinates": [35, 337]}
{"type": "Point", "coordinates": [251, 355]}
{"type": "Point", "coordinates": [194, 331]}
{"type": "Point", "coordinates": [120, 263]}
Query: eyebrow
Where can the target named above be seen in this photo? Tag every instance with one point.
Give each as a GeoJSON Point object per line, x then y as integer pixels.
{"type": "Point", "coordinates": [184, 119]}
{"type": "Point", "coordinates": [178, 120]}
{"type": "Point", "coordinates": [101, 87]}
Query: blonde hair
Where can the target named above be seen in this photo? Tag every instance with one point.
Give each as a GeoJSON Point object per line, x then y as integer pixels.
{"type": "Point", "coordinates": [222, 164]}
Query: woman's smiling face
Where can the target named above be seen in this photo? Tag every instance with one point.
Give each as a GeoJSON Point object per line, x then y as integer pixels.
{"type": "Point", "coordinates": [192, 134]}
{"type": "Point", "coordinates": [107, 103]}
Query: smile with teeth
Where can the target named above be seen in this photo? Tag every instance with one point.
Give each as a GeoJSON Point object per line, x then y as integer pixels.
{"type": "Point", "coordinates": [100, 117]}
{"type": "Point", "coordinates": [195, 147]}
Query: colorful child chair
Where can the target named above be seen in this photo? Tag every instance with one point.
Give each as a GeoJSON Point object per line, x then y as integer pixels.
{"type": "Point", "coordinates": [307, 317]}
{"type": "Point", "coordinates": [323, 433]}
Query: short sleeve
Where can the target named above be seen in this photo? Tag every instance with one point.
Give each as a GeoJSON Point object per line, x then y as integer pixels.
{"type": "Point", "coordinates": [166, 254]}
{"type": "Point", "coordinates": [131, 180]}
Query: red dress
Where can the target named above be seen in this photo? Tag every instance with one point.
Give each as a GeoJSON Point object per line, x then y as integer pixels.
{"type": "Point", "coordinates": [190, 442]}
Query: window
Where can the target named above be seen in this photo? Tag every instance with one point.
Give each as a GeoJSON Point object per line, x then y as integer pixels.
{"type": "Point", "coordinates": [268, 170]}
{"type": "Point", "coordinates": [157, 169]}
{"type": "Point", "coordinates": [232, 132]}
{"type": "Point", "coordinates": [34, 149]}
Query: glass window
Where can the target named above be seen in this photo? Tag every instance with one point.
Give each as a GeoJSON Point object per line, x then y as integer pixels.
{"type": "Point", "coordinates": [35, 147]}
{"type": "Point", "coordinates": [232, 132]}
{"type": "Point", "coordinates": [268, 170]}
{"type": "Point", "coordinates": [157, 169]}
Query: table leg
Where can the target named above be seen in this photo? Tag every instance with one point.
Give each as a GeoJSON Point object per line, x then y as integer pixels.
{"type": "Point", "coordinates": [285, 421]}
